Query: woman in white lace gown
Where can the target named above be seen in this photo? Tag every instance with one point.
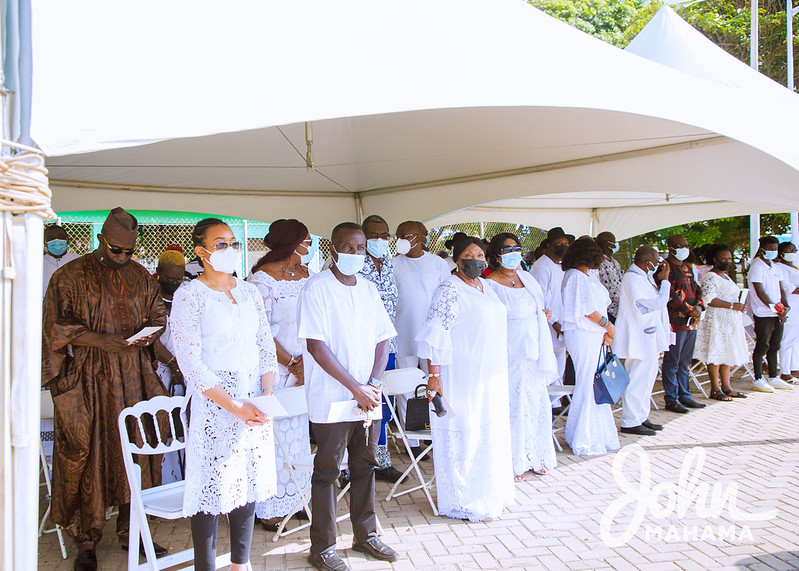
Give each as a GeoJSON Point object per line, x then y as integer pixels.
{"type": "Point", "coordinates": [789, 346]}
{"type": "Point", "coordinates": [590, 427]}
{"type": "Point", "coordinates": [225, 350]}
{"type": "Point", "coordinates": [465, 340]}
{"type": "Point", "coordinates": [531, 359]}
{"type": "Point", "coordinates": [280, 276]}
{"type": "Point", "coordinates": [721, 340]}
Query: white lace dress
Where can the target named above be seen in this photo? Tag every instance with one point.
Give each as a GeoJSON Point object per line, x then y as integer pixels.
{"type": "Point", "coordinates": [465, 332]}
{"type": "Point", "coordinates": [217, 342]}
{"type": "Point", "coordinates": [280, 302]}
{"type": "Point", "coordinates": [531, 367]}
{"type": "Point", "coordinates": [721, 339]}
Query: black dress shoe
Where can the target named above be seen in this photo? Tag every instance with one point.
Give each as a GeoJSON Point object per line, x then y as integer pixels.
{"type": "Point", "coordinates": [160, 550]}
{"type": "Point", "coordinates": [418, 450]}
{"type": "Point", "coordinates": [376, 548]}
{"type": "Point", "coordinates": [640, 430]}
{"type": "Point", "coordinates": [652, 425]}
{"type": "Point", "coordinates": [691, 403]}
{"type": "Point", "coordinates": [86, 561]}
{"type": "Point", "coordinates": [390, 474]}
{"type": "Point", "coordinates": [327, 561]}
{"type": "Point", "coordinates": [675, 406]}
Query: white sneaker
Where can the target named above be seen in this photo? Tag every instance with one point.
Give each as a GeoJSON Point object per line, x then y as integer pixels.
{"type": "Point", "coordinates": [778, 383]}
{"type": "Point", "coordinates": [762, 386]}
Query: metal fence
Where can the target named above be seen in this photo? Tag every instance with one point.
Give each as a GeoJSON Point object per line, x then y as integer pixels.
{"type": "Point", "coordinates": [157, 230]}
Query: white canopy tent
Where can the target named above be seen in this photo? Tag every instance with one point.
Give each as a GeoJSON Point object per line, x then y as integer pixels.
{"type": "Point", "coordinates": [423, 110]}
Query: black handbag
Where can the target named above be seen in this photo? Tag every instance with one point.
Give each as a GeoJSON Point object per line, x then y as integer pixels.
{"type": "Point", "coordinates": [610, 379]}
{"type": "Point", "coordinates": [417, 415]}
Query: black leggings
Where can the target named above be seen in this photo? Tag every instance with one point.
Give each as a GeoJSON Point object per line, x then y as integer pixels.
{"type": "Point", "coordinates": [203, 533]}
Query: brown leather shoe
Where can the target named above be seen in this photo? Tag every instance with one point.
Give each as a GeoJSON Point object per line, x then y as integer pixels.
{"type": "Point", "coordinates": [86, 561]}
{"type": "Point", "coordinates": [376, 548]}
{"type": "Point", "coordinates": [160, 550]}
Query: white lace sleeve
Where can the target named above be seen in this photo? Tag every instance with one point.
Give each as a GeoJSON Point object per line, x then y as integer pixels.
{"type": "Point", "coordinates": [710, 288]}
{"type": "Point", "coordinates": [266, 290]}
{"type": "Point", "coordinates": [434, 341]}
{"type": "Point", "coordinates": [266, 343]}
{"type": "Point", "coordinates": [187, 341]}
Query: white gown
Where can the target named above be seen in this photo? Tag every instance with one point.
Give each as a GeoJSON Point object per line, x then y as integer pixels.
{"type": "Point", "coordinates": [590, 427]}
{"type": "Point", "coordinates": [531, 367]}
{"type": "Point", "coordinates": [789, 347]}
{"type": "Point", "coordinates": [228, 464]}
{"type": "Point", "coordinates": [465, 332]}
{"type": "Point", "coordinates": [280, 303]}
{"type": "Point", "coordinates": [721, 339]}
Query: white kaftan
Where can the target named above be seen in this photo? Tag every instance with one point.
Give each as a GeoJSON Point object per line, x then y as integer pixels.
{"type": "Point", "coordinates": [465, 331]}
{"type": "Point", "coordinates": [280, 303]}
{"type": "Point", "coordinates": [789, 346]}
{"type": "Point", "coordinates": [590, 427]}
{"type": "Point", "coordinates": [720, 339]}
{"type": "Point", "coordinates": [217, 342]}
{"type": "Point", "coordinates": [531, 367]}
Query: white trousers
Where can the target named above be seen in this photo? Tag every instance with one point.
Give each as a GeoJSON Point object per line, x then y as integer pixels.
{"type": "Point", "coordinates": [636, 399]}
{"type": "Point", "coordinates": [789, 347]}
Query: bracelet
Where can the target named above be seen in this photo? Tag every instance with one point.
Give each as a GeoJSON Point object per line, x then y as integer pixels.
{"type": "Point", "coordinates": [433, 374]}
{"type": "Point", "coordinates": [603, 322]}
{"type": "Point", "coordinates": [263, 390]}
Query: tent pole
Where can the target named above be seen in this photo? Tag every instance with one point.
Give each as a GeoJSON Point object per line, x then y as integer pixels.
{"type": "Point", "coordinates": [795, 227]}
{"type": "Point", "coordinates": [790, 12]}
{"type": "Point", "coordinates": [753, 37]}
{"type": "Point", "coordinates": [358, 208]}
{"type": "Point", "coordinates": [754, 234]}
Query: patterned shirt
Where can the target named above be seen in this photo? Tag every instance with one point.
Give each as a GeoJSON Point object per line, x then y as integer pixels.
{"type": "Point", "coordinates": [610, 274]}
{"type": "Point", "coordinates": [685, 295]}
{"type": "Point", "coordinates": [386, 287]}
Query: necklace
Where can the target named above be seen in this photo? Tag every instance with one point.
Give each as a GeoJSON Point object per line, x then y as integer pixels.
{"type": "Point", "coordinates": [512, 280]}
{"type": "Point", "coordinates": [285, 271]}
{"type": "Point", "coordinates": [227, 293]}
{"type": "Point", "coordinates": [476, 286]}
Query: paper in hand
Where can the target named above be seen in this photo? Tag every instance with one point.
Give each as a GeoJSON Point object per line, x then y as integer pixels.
{"type": "Point", "coordinates": [269, 405]}
{"type": "Point", "coordinates": [349, 411]}
{"type": "Point", "coordinates": [146, 332]}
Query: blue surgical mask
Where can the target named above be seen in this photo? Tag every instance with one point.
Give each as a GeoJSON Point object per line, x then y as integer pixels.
{"type": "Point", "coordinates": [349, 264]}
{"type": "Point", "coordinates": [377, 247]}
{"type": "Point", "coordinates": [306, 259]}
{"type": "Point", "coordinates": [511, 260]}
{"type": "Point", "coordinates": [615, 248]}
{"type": "Point", "coordinates": [770, 254]}
{"type": "Point", "coordinates": [57, 247]}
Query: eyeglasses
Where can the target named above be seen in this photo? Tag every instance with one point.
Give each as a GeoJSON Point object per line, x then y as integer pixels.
{"type": "Point", "coordinates": [222, 246]}
{"type": "Point", "coordinates": [507, 249]}
{"type": "Point", "coordinates": [383, 236]}
{"type": "Point", "coordinates": [116, 249]}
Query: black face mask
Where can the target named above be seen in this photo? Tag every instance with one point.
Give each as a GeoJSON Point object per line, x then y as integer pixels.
{"type": "Point", "coordinates": [559, 251]}
{"type": "Point", "coordinates": [168, 287]}
{"type": "Point", "coordinates": [473, 268]}
{"type": "Point", "coordinates": [724, 266]}
{"type": "Point", "coordinates": [111, 263]}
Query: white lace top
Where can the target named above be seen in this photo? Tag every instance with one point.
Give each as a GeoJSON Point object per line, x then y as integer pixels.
{"type": "Point", "coordinates": [217, 342]}
{"type": "Point", "coordinates": [583, 295]}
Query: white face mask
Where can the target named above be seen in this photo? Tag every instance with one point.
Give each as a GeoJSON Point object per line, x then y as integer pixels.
{"type": "Point", "coordinates": [403, 246]}
{"type": "Point", "coordinates": [615, 248]}
{"type": "Point", "coordinates": [681, 253]}
{"type": "Point", "coordinates": [770, 254]}
{"type": "Point", "coordinates": [349, 264]}
{"type": "Point", "coordinates": [789, 257]}
{"type": "Point", "coordinates": [511, 260]}
{"type": "Point", "coordinates": [225, 261]}
{"type": "Point", "coordinates": [377, 247]}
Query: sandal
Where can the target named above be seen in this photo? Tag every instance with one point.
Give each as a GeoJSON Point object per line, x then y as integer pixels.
{"type": "Point", "coordinates": [735, 394]}
{"type": "Point", "coordinates": [720, 395]}
{"type": "Point", "coordinates": [519, 478]}
{"type": "Point", "coordinates": [541, 472]}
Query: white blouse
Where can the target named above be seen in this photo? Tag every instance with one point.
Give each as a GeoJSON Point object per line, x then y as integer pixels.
{"type": "Point", "coordinates": [583, 295]}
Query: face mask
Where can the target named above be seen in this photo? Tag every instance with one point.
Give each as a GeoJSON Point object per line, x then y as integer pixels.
{"type": "Point", "coordinates": [560, 251]}
{"type": "Point", "coordinates": [615, 248]}
{"type": "Point", "coordinates": [225, 261]}
{"type": "Point", "coordinates": [349, 264]}
{"type": "Point", "coordinates": [111, 263]}
{"type": "Point", "coordinates": [789, 256]}
{"type": "Point", "coordinates": [473, 268]}
{"type": "Point", "coordinates": [377, 247]}
{"type": "Point", "coordinates": [403, 246]}
{"type": "Point", "coordinates": [652, 271]}
{"type": "Point", "coordinates": [770, 254]}
{"type": "Point", "coordinates": [57, 247]}
{"type": "Point", "coordinates": [724, 266]}
{"type": "Point", "coordinates": [305, 259]}
{"type": "Point", "coordinates": [681, 253]}
{"type": "Point", "coordinates": [511, 260]}
{"type": "Point", "coordinates": [168, 287]}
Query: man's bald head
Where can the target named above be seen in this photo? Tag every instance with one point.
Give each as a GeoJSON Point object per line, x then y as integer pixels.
{"type": "Point", "coordinates": [676, 240]}
{"type": "Point", "coordinates": [410, 227]}
{"type": "Point", "coordinates": [343, 231]}
{"type": "Point", "coordinates": [645, 254]}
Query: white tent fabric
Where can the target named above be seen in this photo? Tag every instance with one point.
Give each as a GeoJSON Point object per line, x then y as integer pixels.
{"type": "Point", "coordinates": [420, 109]}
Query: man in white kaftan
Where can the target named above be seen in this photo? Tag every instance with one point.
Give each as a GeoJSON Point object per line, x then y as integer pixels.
{"type": "Point", "coordinates": [642, 333]}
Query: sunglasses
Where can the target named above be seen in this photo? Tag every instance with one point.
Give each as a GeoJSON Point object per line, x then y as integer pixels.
{"type": "Point", "coordinates": [222, 246]}
{"type": "Point", "coordinates": [117, 250]}
{"type": "Point", "coordinates": [508, 249]}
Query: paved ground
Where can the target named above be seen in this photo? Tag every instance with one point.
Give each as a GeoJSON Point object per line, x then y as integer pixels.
{"type": "Point", "coordinates": [751, 453]}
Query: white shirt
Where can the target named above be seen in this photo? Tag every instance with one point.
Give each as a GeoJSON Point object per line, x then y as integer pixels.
{"type": "Point", "coordinates": [50, 264]}
{"type": "Point", "coordinates": [417, 279]}
{"type": "Point", "coordinates": [351, 321]}
{"type": "Point", "coordinates": [769, 277]}
{"type": "Point", "coordinates": [549, 276]}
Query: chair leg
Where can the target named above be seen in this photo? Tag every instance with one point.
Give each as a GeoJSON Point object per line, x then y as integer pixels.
{"type": "Point", "coordinates": [557, 444]}
{"type": "Point", "coordinates": [133, 542]}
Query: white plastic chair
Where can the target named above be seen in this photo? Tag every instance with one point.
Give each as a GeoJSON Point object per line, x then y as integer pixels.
{"type": "Point", "coordinates": [398, 382]}
{"type": "Point", "coordinates": [48, 412]}
{"type": "Point", "coordinates": [295, 402]}
{"type": "Point", "coordinates": [559, 390]}
{"type": "Point", "coordinates": [162, 501]}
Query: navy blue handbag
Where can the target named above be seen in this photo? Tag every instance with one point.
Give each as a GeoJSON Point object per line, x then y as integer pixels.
{"type": "Point", "coordinates": [610, 379]}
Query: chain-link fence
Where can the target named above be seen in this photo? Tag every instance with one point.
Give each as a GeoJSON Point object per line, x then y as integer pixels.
{"type": "Point", "coordinates": [157, 230]}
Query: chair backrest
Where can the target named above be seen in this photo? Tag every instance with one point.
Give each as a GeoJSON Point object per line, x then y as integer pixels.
{"type": "Point", "coordinates": [293, 400]}
{"type": "Point", "coordinates": [402, 381]}
{"type": "Point", "coordinates": [48, 409]}
{"type": "Point", "coordinates": [152, 428]}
